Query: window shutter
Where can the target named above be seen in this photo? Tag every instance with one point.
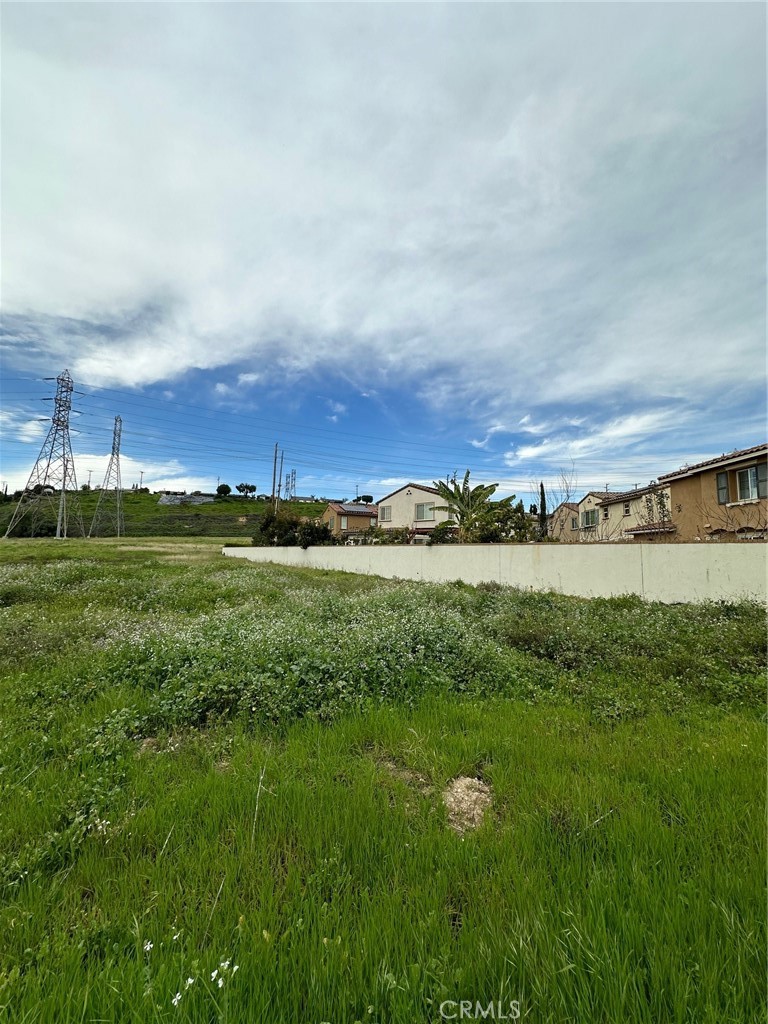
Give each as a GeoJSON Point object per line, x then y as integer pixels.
{"type": "Point", "coordinates": [762, 479]}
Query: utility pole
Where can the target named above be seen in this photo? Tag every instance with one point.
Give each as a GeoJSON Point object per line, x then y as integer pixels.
{"type": "Point", "coordinates": [110, 503]}
{"type": "Point", "coordinates": [141, 479]}
{"type": "Point", "coordinates": [89, 478]}
{"type": "Point", "coordinates": [274, 471]}
{"type": "Point", "coordinates": [279, 482]}
{"type": "Point", "coordinates": [54, 468]}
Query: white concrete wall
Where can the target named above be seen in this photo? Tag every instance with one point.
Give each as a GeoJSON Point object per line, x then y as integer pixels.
{"type": "Point", "coordinates": [657, 572]}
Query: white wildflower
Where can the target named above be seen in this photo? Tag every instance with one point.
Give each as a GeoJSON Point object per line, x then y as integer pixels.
{"type": "Point", "coordinates": [221, 983]}
{"type": "Point", "coordinates": [214, 974]}
{"type": "Point", "coordinates": [176, 999]}
{"type": "Point", "coordinates": [190, 981]}
{"type": "Point", "coordinates": [148, 946]}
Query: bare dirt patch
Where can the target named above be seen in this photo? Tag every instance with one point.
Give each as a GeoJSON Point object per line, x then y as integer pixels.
{"type": "Point", "coordinates": [466, 800]}
{"type": "Point", "coordinates": [408, 776]}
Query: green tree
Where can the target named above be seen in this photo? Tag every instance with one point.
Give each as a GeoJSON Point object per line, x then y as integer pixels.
{"type": "Point", "coordinates": [312, 533]}
{"type": "Point", "coordinates": [504, 522]}
{"type": "Point", "coordinates": [443, 533]}
{"type": "Point", "coordinates": [469, 507]}
{"type": "Point", "coordinates": [277, 528]}
{"type": "Point", "coordinates": [223, 490]}
{"type": "Point", "coordinates": [542, 512]}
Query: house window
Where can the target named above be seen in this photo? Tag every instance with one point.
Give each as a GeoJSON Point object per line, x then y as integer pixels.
{"type": "Point", "coordinates": [385, 514]}
{"type": "Point", "coordinates": [574, 522]}
{"type": "Point", "coordinates": [722, 488]}
{"type": "Point", "coordinates": [425, 511]}
{"type": "Point", "coordinates": [605, 513]}
{"type": "Point", "coordinates": [343, 522]}
{"type": "Point", "coordinates": [588, 518]}
{"type": "Point", "coordinates": [332, 523]}
{"type": "Point", "coordinates": [751, 483]}
{"type": "Point", "coordinates": [626, 508]}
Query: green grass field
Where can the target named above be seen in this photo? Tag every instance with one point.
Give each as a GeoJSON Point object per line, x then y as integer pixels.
{"type": "Point", "coordinates": [144, 517]}
{"type": "Point", "coordinates": [222, 797]}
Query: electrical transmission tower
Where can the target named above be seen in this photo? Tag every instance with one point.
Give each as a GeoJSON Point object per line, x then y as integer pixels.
{"type": "Point", "coordinates": [109, 507]}
{"type": "Point", "coordinates": [53, 472]}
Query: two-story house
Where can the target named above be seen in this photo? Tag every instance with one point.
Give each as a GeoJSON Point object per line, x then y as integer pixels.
{"type": "Point", "coordinates": [573, 522]}
{"type": "Point", "coordinates": [725, 498]}
{"type": "Point", "coordinates": [642, 513]}
{"type": "Point", "coordinates": [347, 519]}
{"type": "Point", "coordinates": [412, 507]}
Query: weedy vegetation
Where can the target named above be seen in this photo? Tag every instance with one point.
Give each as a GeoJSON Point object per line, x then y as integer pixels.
{"type": "Point", "coordinates": [222, 789]}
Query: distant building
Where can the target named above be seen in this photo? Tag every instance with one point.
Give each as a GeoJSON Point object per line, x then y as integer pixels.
{"type": "Point", "coordinates": [347, 519]}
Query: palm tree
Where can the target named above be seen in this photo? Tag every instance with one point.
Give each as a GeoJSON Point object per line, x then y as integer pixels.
{"type": "Point", "coordinates": [467, 506]}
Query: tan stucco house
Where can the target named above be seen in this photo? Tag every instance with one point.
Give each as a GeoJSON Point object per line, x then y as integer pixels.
{"type": "Point", "coordinates": [412, 507]}
{"type": "Point", "coordinates": [724, 498]}
{"type": "Point", "coordinates": [563, 523]}
{"type": "Point", "coordinates": [643, 513]}
{"type": "Point", "coordinates": [637, 514]}
{"type": "Point", "coordinates": [347, 519]}
{"type": "Point", "coordinates": [575, 522]}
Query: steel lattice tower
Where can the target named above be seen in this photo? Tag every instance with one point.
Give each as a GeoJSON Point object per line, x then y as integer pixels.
{"type": "Point", "coordinates": [53, 472]}
{"type": "Point", "coordinates": [109, 507]}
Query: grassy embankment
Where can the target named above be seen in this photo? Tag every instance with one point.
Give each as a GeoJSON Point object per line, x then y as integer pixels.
{"type": "Point", "coordinates": [209, 763]}
{"type": "Point", "coordinates": [144, 517]}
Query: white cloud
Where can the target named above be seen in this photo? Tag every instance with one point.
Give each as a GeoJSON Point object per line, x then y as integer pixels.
{"type": "Point", "coordinates": [22, 426]}
{"type": "Point", "coordinates": [497, 428]}
{"type": "Point", "coordinates": [495, 206]}
{"type": "Point", "coordinates": [166, 475]}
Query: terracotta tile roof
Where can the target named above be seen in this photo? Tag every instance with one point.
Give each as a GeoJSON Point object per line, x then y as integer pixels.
{"type": "Point", "coordinates": [651, 528]}
{"type": "Point", "coordinates": [344, 509]}
{"type": "Point", "coordinates": [636, 492]}
{"type": "Point", "coordinates": [725, 457]}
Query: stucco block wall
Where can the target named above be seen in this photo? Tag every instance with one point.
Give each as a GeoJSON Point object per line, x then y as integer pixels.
{"type": "Point", "coordinates": [657, 572]}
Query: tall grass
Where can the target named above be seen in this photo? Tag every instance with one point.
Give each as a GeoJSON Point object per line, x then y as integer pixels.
{"type": "Point", "coordinates": [196, 776]}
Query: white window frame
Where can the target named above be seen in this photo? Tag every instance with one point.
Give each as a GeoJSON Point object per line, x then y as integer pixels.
{"type": "Point", "coordinates": [627, 508]}
{"type": "Point", "coordinates": [331, 523]}
{"type": "Point", "coordinates": [385, 513]}
{"type": "Point", "coordinates": [589, 518]}
{"type": "Point", "coordinates": [343, 525]}
{"type": "Point", "coordinates": [606, 513]}
{"type": "Point", "coordinates": [751, 480]}
{"type": "Point", "coordinates": [574, 522]}
{"type": "Point", "coordinates": [428, 512]}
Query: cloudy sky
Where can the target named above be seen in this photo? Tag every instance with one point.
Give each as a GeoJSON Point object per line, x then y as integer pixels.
{"type": "Point", "coordinates": [401, 240]}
